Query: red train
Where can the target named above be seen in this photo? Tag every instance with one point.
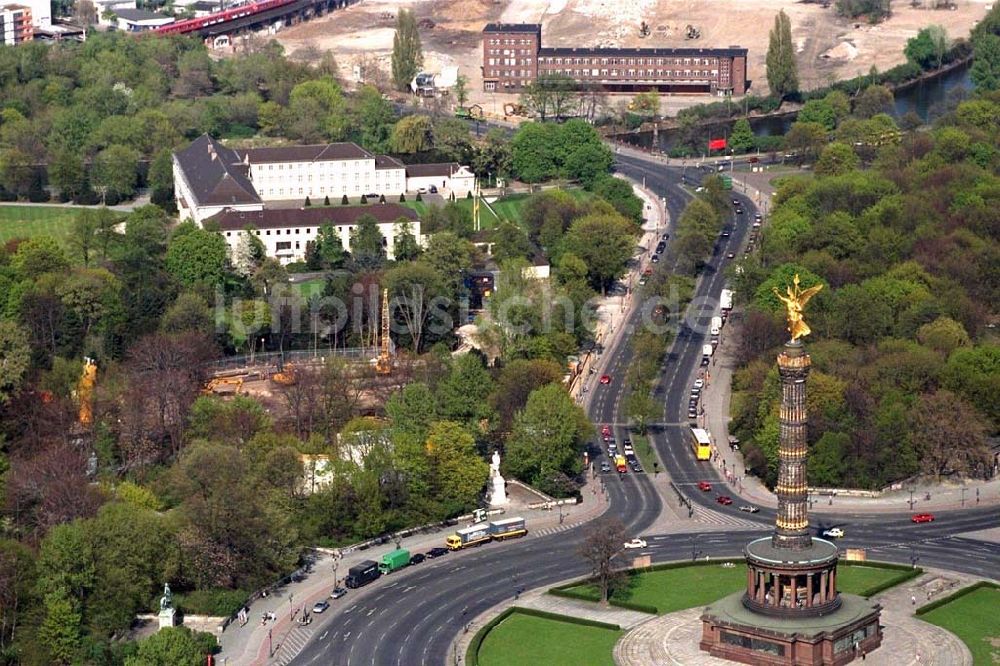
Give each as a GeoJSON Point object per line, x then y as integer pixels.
{"type": "Point", "coordinates": [195, 24]}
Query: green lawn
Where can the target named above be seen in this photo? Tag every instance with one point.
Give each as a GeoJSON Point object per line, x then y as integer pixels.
{"type": "Point", "coordinates": [670, 590]}
{"type": "Point", "coordinates": [30, 221]}
{"type": "Point", "coordinates": [507, 208]}
{"type": "Point", "coordinates": [311, 287]}
{"type": "Point", "coordinates": [973, 618]}
{"type": "Point", "coordinates": [524, 639]}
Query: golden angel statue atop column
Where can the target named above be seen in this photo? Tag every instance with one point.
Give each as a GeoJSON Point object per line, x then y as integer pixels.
{"type": "Point", "coordinates": [794, 302]}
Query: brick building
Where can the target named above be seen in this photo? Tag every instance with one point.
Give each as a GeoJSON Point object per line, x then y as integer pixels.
{"type": "Point", "coordinates": [513, 57]}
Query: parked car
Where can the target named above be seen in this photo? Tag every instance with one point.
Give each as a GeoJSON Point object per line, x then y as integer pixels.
{"type": "Point", "coordinates": [730, 255]}
{"type": "Point", "coordinates": [923, 518]}
{"type": "Point", "coordinates": [749, 508]}
{"type": "Point", "coordinates": [417, 558]}
{"type": "Point", "coordinates": [636, 543]}
{"type": "Point", "coordinates": [704, 486]}
{"type": "Point", "coordinates": [422, 190]}
{"type": "Point", "coordinates": [320, 606]}
{"type": "Point", "coordinates": [834, 533]}
{"type": "Point", "coordinates": [436, 552]}
{"type": "Point", "coordinates": [698, 383]}
{"type": "Point", "coordinates": [724, 500]}
{"type": "Point", "coordinates": [665, 237]}
{"type": "Point", "coordinates": [655, 259]}
{"type": "Point", "coordinates": [338, 592]}
{"type": "Point", "coordinates": [605, 467]}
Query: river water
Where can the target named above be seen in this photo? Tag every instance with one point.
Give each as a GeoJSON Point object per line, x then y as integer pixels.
{"type": "Point", "coordinates": [927, 99]}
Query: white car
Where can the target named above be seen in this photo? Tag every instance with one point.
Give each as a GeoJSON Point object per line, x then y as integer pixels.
{"type": "Point", "coordinates": [698, 383]}
{"type": "Point", "coordinates": [636, 543]}
{"type": "Point", "coordinates": [749, 508]}
{"type": "Point", "coordinates": [834, 533]}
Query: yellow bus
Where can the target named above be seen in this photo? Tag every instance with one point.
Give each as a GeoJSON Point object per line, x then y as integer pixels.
{"type": "Point", "coordinates": [701, 444]}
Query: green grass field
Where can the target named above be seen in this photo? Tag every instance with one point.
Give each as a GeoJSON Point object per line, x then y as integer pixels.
{"type": "Point", "coordinates": [644, 451]}
{"type": "Point", "coordinates": [30, 221]}
{"type": "Point", "coordinates": [524, 639]}
{"type": "Point", "coordinates": [670, 590]}
{"type": "Point", "coordinates": [975, 620]}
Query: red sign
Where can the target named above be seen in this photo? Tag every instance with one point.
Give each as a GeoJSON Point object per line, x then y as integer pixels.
{"type": "Point", "coordinates": [716, 144]}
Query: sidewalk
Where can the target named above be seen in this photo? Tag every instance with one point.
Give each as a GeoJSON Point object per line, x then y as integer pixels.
{"type": "Point", "coordinates": [249, 644]}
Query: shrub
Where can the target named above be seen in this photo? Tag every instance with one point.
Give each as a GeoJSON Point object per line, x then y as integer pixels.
{"type": "Point", "coordinates": [419, 198]}
{"type": "Point", "coordinates": [308, 202]}
{"type": "Point", "coordinates": [219, 603]}
{"type": "Point", "coordinates": [402, 198]}
{"type": "Point", "coordinates": [364, 200]}
{"type": "Point", "coordinates": [344, 201]}
{"type": "Point", "coordinates": [326, 200]}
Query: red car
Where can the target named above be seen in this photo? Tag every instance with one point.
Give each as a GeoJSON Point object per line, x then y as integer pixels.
{"type": "Point", "coordinates": [923, 518]}
{"type": "Point", "coordinates": [606, 430]}
{"type": "Point", "coordinates": [704, 485]}
{"type": "Point", "coordinates": [725, 500]}
{"type": "Point", "coordinates": [605, 379]}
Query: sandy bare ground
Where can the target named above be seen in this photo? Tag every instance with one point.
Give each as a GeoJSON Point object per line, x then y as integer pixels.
{"type": "Point", "coordinates": [828, 47]}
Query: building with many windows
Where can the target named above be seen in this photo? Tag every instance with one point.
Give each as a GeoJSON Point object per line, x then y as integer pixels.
{"type": "Point", "coordinates": [209, 177]}
{"type": "Point", "coordinates": [513, 57]}
{"type": "Point", "coordinates": [15, 25]}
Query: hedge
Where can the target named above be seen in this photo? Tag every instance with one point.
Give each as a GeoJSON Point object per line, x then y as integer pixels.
{"type": "Point", "coordinates": [584, 596]}
{"type": "Point", "coordinates": [219, 603]}
{"type": "Point", "coordinates": [955, 595]}
{"type": "Point", "coordinates": [472, 653]}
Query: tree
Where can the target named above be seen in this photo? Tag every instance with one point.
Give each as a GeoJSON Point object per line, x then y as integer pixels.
{"type": "Point", "coordinates": [114, 171]}
{"type": "Point", "coordinates": [818, 111]}
{"type": "Point", "coordinates": [605, 540]}
{"type": "Point", "coordinates": [463, 395]}
{"type": "Point", "coordinates": [412, 287]}
{"type": "Point", "coordinates": [516, 382]}
{"type": "Point", "coordinates": [493, 156]}
{"type": "Point", "coordinates": [411, 134]}
{"type": "Point", "coordinates": [404, 247]}
{"type": "Point", "coordinates": [549, 94]}
{"type": "Point", "coordinates": [17, 580]}
{"type": "Point", "coordinates": [646, 104]}
{"type": "Point", "coordinates": [606, 260]}
{"type": "Point", "coordinates": [189, 312]}
{"type": "Point", "coordinates": [451, 257]}
{"type": "Point", "coordinates": [837, 159]}
{"type": "Point", "coordinates": [452, 141]}
{"type": "Point", "coordinates": [66, 174]}
{"type": "Point", "coordinates": [60, 628]}
{"type": "Point", "coordinates": [250, 252]}
{"type": "Point", "coordinates": [619, 193]}
{"type": "Point", "coordinates": [461, 90]}
{"type": "Point", "coordinates": [161, 181]}
{"type": "Point", "coordinates": [742, 139]}
{"type": "Point", "coordinates": [951, 435]}
{"type": "Point", "coordinates": [326, 252]}
{"type": "Point", "coordinates": [943, 335]}
{"type": "Point", "coordinates": [806, 138]}
{"type": "Point", "coordinates": [367, 243]}
{"type": "Point", "coordinates": [407, 53]}
{"type": "Point", "coordinates": [873, 100]}
{"type": "Point", "coordinates": [15, 358]}
{"type": "Point", "coordinates": [457, 470]}
{"type": "Point", "coordinates": [546, 440]}
{"type": "Point", "coordinates": [173, 646]}
{"type": "Point", "coordinates": [198, 257]}
{"type": "Point", "coordinates": [985, 72]}
{"type": "Point", "coordinates": [641, 409]}
{"type": "Point", "coordinates": [510, 242]}
{"type": "Point", "coordinates": [535, 152]}
{"type": "Point", "coordinates": [782, 72]}
{"type": "Point", "coordinates": [588, 163]}
{"type": "Point", "coordinates": [927, 49]}
{"type": "Point", "coordinates": [17, 173]}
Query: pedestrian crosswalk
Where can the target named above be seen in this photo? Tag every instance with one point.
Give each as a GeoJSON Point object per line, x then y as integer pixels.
{"type": "Point", "coordinates": [709, 517]}
{"type": "Point", "coordinates": [291, 645]}
{"type": "Point", "coordinates": [553, 530]}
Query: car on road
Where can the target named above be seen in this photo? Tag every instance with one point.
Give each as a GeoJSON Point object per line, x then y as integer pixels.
{"type": "Point", "coordinates": [704, 486]}
{"type": "Point", "coordinates": [748, 508]}
{"type": "Point", "coordinates": [692, 413]}
{"type": "Point", "coordinates": [635, 543]}
{"type": "Point", "coordinates": [655, 259]}
{"type": "Point", "coordinates": [730, 255]}
{"type": "Point", "coordinates": [834, 533]}
{"type": "Point", "coordinates": [606, 430]}
{"type": "Point", "coordinates": [338, 592]}
{"type": "Point", "coordinates": [417, 558]}
{"type": "Point", "coordinates": [320, 606]}
{"type": "Point", "coordinates": [660, 247]}
{"type": "Point", "coordinates": [698, 383]}
{"type": "Point", "coordinates": [605, 467]}
{"type": "Point", "coordinates": [756, 225]}
{"type": "Point", "coordinates": [724, 500]}
{"type": "Point", "coordinates": [725, 234]}
{"type": "Point", "coordinates": [605, 379]}
{"type": "Point", "coordinates": [436, 552]}
{"type": "Point", "coordinates": [923, 518]}
{"type": "Point", "coordinates": [736, 202]}
{"type": "Point", "coordinates": [665, 237]}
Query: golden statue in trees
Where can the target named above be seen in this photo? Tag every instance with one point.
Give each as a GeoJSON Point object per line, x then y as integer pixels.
{"type": "Point", "coordinates": [794, 302]}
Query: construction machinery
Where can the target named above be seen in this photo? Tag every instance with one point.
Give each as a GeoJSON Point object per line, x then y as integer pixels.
{"type": "Point", "coordinates": [510, 109]}
{"type": "Point", "coordinates": [85, 391]}
{"type": "Point", "coordinates": [692, 31]}
{"type": "Point", "coordinates": [383, 364]}
{"type": "Point", "coordinates": [284, 378]}
{"type": "Point", "coordinates": [223, 386]}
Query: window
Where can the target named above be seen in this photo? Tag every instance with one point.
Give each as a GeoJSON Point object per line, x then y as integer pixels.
{"type": "Point", "coordinates": [297, 230]}
{"type": "Point", "coordinates": [283, 246]}
{"type": "Point", "coordinates": [229, 233]}
{"type": "Point", "coordinates": [268, 232]}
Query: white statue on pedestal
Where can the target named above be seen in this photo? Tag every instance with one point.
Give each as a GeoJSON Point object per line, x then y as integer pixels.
{"type": "Point", "coordinates": [498, 493]}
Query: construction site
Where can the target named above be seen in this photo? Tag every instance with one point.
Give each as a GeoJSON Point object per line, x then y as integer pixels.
{"type": "Point", "coordinates": [829, 47]}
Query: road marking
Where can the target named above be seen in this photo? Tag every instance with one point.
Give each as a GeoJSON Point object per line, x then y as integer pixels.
{"type": "Point", "coordinates": [369, 613]}
{"type": "Point", "coordinates": [346, 636]}
{"type": "Point", "coordinates": [324, 634]}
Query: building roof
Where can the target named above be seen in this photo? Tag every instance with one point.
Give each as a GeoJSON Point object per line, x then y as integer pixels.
{"type": "Point", "coordinates": [315, 153]}
{"type": "Point", "coordinates": [732, 51]}
{"type": "Point", "coordinates": [387, 162]}
{"type": "Point", "coordinates": [274, 218]}
{"type": "Point", "coordinates": [215, 173]}
{"type": "Point", "coordinates": [513, 27]}
{"type": "Point", "coordinates": [443, 169]}
{"type": "Point", "coordinates": [140, 15]}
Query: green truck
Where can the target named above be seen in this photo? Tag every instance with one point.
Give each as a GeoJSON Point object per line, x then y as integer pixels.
{"type": "Point", "coordinates": [394, 561]}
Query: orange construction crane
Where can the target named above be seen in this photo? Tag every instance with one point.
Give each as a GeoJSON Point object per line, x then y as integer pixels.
{"type": "Point", "coordinates": [383, 364]}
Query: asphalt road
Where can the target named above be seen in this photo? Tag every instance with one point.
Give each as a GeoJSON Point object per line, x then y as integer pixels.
{"type": "Point", "coordinates": [413, 616]}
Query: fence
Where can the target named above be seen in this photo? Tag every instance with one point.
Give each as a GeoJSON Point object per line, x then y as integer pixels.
{"type": "Point", "coordinates": [272, 359]}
